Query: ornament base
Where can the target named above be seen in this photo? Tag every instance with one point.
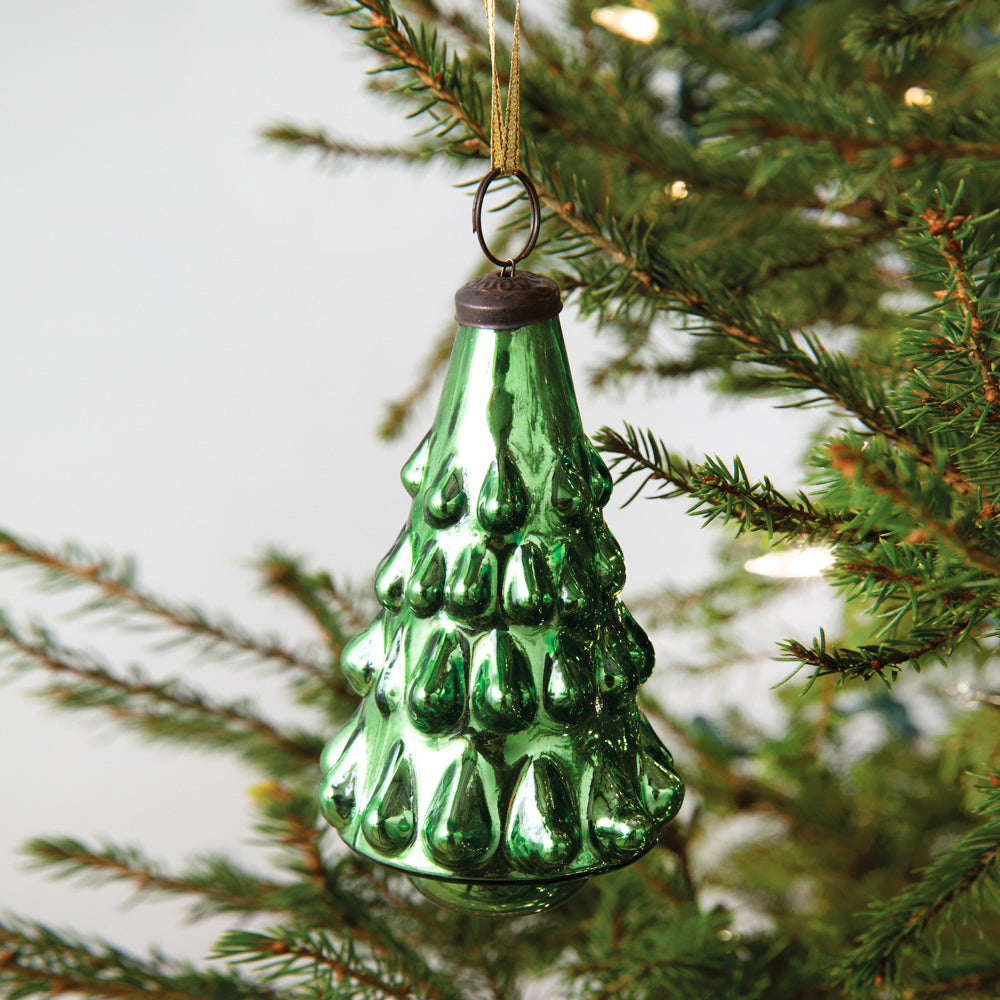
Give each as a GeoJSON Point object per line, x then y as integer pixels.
{"type": "Point", "coordinates": [491, 899]}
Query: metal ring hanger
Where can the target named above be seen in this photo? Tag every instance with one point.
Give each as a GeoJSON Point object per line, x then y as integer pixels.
{"type": "Point", "coordinates": [536, 217]}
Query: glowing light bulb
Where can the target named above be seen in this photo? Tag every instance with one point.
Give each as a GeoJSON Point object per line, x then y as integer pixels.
{"type": "Point", "coordinates": [807, 560]}
{"type": "Point", "coordinates": [678, 190]}
{"type": "Point", "coordinates": [639, 25]}
{"type": "Point", "coordinates": [917, 97]}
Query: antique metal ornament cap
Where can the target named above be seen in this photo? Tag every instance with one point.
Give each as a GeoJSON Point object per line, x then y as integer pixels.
{"type": "Point", "coordinates": [499, 301]}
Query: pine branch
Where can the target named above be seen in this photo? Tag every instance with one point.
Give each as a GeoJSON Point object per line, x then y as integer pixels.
{"type": "Point", "coordinates": [899, 33]}
{"type": "Point", "coordinates": [910, 578]}
{"type": "Point", "coordinates": [953, 410]}
{"type": "Point", "coordinates": [982, 983]}
{"type": "Point", "coordinates": [215, 883]}
{"type": "Point", "coordinates": [950, 385]}
{"type": "Point", "coordinates": [166, 710]}
{"type": "Point", "coordinates": [825, 256]}
{"type": "Point", "coordinates": [964, 874]}
{"type": "Point", "coordinates": [218, 886]}
{"type": "Point", "coordinates": [628, 364]}
{"type": "Point", "coordinates": [855, 463]}
{"type": "Point", "coordinates": [327, 147]}
{"type": "Point", "coordinates": [849, 145]}
{"type": "Point", "coordinates": [962, 290]}
{"type": "Point", "coordinates": [882, 660]}
{"type": "Point", "coordinates": [336, 615]}
{"type": "Point", "coordinates": [312, 955]}
{"type": "Point", "coordinates": [438, 81]}
{"type": "Point", "coordinates": [38, 961]}
{"type": "Point", "coordinates": [721, 493]}
{"type": "Point", "coordinates": [118, 591]}
{"type": "Point", "coordinates": [470, 29]}
{"type": "Point", "coordinates": [720, 47]}
{"type": "Point", "coordinates": [288, 817]}
{"type": "Point", "coordinates": [765, 339]}
{"type": "Point", "coordinates": [676, 160]}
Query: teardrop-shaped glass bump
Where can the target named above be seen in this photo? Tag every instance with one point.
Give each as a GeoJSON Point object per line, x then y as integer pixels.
{"type": "Point", "coordinates": [445, 501]}
{"type": "Point", "coordinates": [337, 795]}
{"type": "Point", "coordinates": [528, 590]}
{"type": "Point", "coordinates": [610, 561]}
{"type": "Point", "coordinates": [471, 586]}
{"type": "Point", "coordinates": [389, 684]}
{"type": "Point", "coordinates": [543, 831]}
{"type": "Point", "coordinates": [568, 694]}
{"type": "Point", "coordinates": [392, 571]}
{"type": "Point", "coordinates": [601, 482]}
{"type": "Point", "coordinates": [412, 473]}
{"type": "Point", "coordinates": [503, 505]}
{"type": "Point", "coordinates": [503, 689]}
{"type": "Point", "coordinates": [337, 747]}
{"type": "Point", "coordinates": [618, 826]}
{"type": "Point", "coordinates": [577, 597]}
{"type": "Point", "coordinates": [615, 677]}
{"type": "Point", "coordinates": [640, 648]}
{"type": "Point", "coordinates": [425, 591]}
{"type": "Point", "coordinates": [363, 656]}
{"type": "Point", "coordinates": [389, 823]}
{"type": "Point", "coordinates": [338, 790]}
{"type": "Point", "coordinates": [437, 695]}
{"type": "Point", "coordinates": [662, 789]}
{"type": "Point", "coordinates": [570, 491]}
{"type": "Point", "coordinates": [459, 829]}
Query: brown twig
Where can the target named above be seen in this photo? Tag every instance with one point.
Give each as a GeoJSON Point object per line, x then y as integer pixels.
{"type": "Point", "coordinates": [851, 462]}
{"type": "Point", "coordinates": [943, 229]}
{"type": "Point", "coordinates": [57, 983]}
{"type": "Point", "coordinates": [974, 982]}
{"type": "Point", "coordinates": [341, 970]}
{"type": "Point", "coordinates": [849, 147]}
{"type": "Point", "coordinates": [876, 664]}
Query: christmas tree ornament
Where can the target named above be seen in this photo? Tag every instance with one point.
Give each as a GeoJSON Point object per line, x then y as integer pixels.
{"type": "Point", "coordinates": [498, 756]}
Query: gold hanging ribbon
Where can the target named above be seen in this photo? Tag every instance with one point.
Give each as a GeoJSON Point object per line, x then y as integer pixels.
{"type": "Point", "coordinates": [505, 126]}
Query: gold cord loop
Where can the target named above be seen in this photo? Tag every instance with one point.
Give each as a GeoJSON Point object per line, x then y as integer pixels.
{"type": "Point", "coordinates": [505, 125]}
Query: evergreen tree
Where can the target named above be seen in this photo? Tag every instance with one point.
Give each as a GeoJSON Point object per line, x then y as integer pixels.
{"type": "Point", "coordinates": [801, 164]}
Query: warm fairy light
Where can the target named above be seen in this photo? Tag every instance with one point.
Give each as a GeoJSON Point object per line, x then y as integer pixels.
{"type": "Point", "coordinates": [973, 698]}
{"type": "Point", "coordinates": [678, 190]}
{"type": "Point", "coordinates": [639, 25]}
{"type": "Point", "coordinates": [807, 560]}
{"type": "Point", "coordinates": [917, 97]}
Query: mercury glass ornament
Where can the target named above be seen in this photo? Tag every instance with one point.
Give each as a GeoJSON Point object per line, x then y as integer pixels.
{"type": "Point", "coordinates": [498, 756]}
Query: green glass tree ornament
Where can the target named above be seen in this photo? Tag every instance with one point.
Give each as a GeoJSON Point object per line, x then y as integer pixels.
{"type": "Point", "coordinates": [498, 756]}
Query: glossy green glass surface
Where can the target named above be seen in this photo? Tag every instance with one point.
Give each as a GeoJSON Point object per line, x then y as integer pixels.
{"type": "Point", "coordinates": [499, 756]}
{"type": "Point", "coordinates": [497, 900]}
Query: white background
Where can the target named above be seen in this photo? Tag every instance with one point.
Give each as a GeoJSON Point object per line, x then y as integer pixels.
{"type": "Point", "coordinates": [198, 334]}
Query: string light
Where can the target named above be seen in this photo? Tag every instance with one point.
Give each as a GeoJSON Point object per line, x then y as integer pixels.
{"type": "Point", "coordinates": [678, 190]}
{"type": "Point", "coordinates": [808, 560]}
{"type": "Point", "coordinates": [631, 22]}
{"type": "Point", "coordinates": [917, 97]}
{"type": "Point", "coordinates": [972, 697]}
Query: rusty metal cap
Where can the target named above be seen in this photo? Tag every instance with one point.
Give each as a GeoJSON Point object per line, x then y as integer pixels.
{"type": "Point", "coordinates": [506, 302]}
